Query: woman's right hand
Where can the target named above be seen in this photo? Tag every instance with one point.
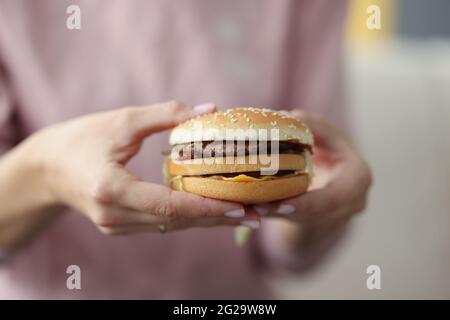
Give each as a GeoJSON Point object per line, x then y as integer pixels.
{"type": "Point", "coordinates": [81, 164]}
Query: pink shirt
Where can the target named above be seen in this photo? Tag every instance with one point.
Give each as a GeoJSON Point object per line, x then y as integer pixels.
{"type": "Point", "coordinates": [278, 54]}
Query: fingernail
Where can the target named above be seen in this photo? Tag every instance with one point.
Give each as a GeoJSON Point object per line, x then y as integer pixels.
{"type": "Point", "coordinates": [286, 209]}
{"type": "Point", "coordinates": [238, 213]}
{"type": "Point", "coordinates": [252, 224]}
{"type": "Point", "coordinates": [262, 211]}
{"type": "Point", "coordinates": [204, 108]}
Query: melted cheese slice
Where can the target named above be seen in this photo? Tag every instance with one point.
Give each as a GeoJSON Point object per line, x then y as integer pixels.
{"type": "Point", "coordinates": [245, 178]}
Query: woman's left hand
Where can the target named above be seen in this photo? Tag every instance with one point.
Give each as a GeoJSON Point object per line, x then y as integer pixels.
{"type": "Point", "coordinates": [342, 179]}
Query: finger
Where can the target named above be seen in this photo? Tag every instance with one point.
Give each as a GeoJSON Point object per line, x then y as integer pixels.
{"type": "Point", "coordinates": [162, 116]}
{"type": "Point", "coordinates": [129, 229]}
{"type": "Point", "coordinates": [216, 221]}
{"type": "Point", "coordinates": [324, 131]}
{"type": "Point", "coordinates": [286, 112]}
{"type": "Point", "coordinates": [180, 224]}
{"type": "Point", "coordinates": [315, 205]}
{"type": "Point", "coordinates": [119, 187]}
{"type": "Point", "coordinates": [162, 201]}
{"type": "Point", "coordinates": [112, 215]}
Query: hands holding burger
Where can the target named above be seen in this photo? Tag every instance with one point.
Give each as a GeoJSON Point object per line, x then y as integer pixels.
{"type": "Point", "coordinates": [339, 189]}
{"type": "Point", "coordinates": [95, 181]}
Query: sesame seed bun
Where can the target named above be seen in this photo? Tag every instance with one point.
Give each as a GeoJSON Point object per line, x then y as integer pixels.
{"type": "Point", "coordinates": [213, 126]}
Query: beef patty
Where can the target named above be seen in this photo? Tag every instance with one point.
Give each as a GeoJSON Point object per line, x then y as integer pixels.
{"type": "Point", "coordinates": [205, 149]}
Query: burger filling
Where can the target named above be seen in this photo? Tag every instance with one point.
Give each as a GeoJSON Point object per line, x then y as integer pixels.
{"type": "Point", "coordinates": [198, 150]}
{"type": "Point", "coordinates": [205, 149]}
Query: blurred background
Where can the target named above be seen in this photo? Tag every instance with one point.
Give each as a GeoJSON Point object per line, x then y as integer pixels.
{"type": "Point", "coordinates": [399, 90]}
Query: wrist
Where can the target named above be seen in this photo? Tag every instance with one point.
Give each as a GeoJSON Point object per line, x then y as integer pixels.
{"type": "Point", "coordinates": [26, 201]}
{"type": "Point", "coordinates": [31, 165]}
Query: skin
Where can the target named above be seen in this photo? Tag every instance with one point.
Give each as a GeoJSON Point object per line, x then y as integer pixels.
{"type": "Point", "coordinates": [48, 170]}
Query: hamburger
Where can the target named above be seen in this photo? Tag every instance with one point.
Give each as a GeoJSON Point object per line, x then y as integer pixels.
{"type": "Point", "coordinates": [246, 155]}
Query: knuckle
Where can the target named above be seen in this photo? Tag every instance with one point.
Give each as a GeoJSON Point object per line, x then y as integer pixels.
{"type": "Point", "coordinates": [104, 190]}
{"type": "Point", "coordinates": [103, 194]}
{"type": "Point", "coordinates": [101, 191]}
{"type": "Point", "coordinates": [166, 209]}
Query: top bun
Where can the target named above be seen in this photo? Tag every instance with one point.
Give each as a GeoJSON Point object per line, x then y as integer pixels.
{"type": "Point", "coordinates": [216, 126]}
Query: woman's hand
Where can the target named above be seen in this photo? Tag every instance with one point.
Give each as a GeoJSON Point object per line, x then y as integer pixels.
{"type": "Point", "coordinates": [82, 164]}
{"type": "Point", "coordinates": [340, 186]}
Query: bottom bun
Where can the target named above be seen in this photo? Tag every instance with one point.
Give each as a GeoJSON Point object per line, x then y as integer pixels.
{"type": "Point", "coordinates": [244, 192]}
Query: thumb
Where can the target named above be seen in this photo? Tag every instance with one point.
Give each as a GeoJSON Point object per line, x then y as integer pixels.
{"type": "Point", "coordinates": [325, 132]}
{"type": "Point", "coordinates": [162, 116]}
